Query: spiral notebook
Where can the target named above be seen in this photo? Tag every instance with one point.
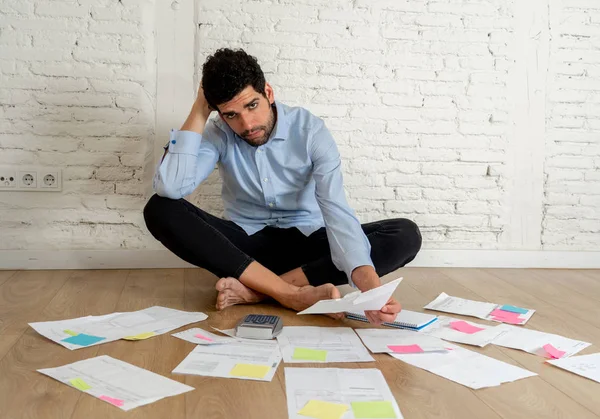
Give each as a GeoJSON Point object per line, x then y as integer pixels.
{"type": "Point", "coordinates": [406, 319]}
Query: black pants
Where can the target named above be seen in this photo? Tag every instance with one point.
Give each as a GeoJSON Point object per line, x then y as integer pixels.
{"type": "Point", "coordinates": [224, 248]}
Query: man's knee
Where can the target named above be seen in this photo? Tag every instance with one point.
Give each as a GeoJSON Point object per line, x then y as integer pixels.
{"type": "Point", "coordinates": [157, 210]}
{"type": "Point", "coordinates": [408, 235]}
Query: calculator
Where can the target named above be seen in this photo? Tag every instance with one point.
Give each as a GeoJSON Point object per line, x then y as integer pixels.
{"type": "Point", "coordinates": [259, 326]}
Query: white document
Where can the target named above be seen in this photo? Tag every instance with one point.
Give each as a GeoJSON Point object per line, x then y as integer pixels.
{"type": "Point", "coordinates": [372, 299]}
{"type": "Point", "coordinates": [587, 366]}
{"type": "Point", "coordinates": [462, 306]}
{"type": "Point", "coordinates": [202, 337]}
{"type": "Point", "coordinates": [257, 360]}
{"type": "Point", "coordinates": [379, 340]}
{"type": "Point", "coordinates": [465, 367]}
{"type": "Point", "coordinates": [116, 382]}
{"type": "Point", "coordinates": [336, 385]}
{"type": "Point", "coordinates": [340, 344]}
{"type": "Point", "coordinates": [533, 341]}
{"type": "Point", "coordinates": [443, 330]}
{"type": "Point", "coordinates": [114, 326]}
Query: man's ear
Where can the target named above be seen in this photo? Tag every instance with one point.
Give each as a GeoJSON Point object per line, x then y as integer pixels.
{"type": "Point", "coordinates": [269, 93]}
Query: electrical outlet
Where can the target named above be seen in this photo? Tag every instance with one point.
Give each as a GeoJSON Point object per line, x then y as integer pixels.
{"type": "Point", "coordinates": [8, 179]}
{"type": "Point", "coordinates": [30, 179]}
{"type": "Point", "coordinates": [27, 179]}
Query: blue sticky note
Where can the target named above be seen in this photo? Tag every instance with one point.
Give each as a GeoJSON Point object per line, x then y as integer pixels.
{"type": "Point", "coordinates": [83, 340]}
{"type": "Point", "coordinates": [513, 309]}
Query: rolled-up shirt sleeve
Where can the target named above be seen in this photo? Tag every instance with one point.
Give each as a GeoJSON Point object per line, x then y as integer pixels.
{"type": "Point", "coordinates": [191, 158]}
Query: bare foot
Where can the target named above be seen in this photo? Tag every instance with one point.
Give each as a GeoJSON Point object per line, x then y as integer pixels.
{"type": "Point", "coordinates": [232, 292]}
{"type": "Point", "coordinates": [308, 295]}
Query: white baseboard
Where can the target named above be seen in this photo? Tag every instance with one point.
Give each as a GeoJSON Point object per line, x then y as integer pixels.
{"type": "Point", "coordinates": [144, 259]}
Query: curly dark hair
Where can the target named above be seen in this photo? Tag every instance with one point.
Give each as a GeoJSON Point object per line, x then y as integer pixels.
{"type": "Point", "coordinates": [227, 72]}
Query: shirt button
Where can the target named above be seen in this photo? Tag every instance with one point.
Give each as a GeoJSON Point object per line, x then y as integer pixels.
{"type": "Point", "coordinates": [266, 179]}
{"type": "Point", "coordinates": [271, 204]}
{"type": "Point", "coordinates": [260, 150]}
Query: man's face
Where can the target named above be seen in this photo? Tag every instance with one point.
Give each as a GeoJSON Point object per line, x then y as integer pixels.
{"type": "Point", "coordinates": [249, 115]}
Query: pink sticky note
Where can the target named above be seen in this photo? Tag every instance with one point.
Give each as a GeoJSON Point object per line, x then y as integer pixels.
{"type": "Point", "coordinates": [509, 320]}
{"type": "Point", "coordinates": [504, 314]}
{"type": "Point", "coordinates": [465, 327]}
{"type": "Point", "coordinates": [199, 336]}
{"type": "Point", "coordinates": [553, 352]}
{"type": "Point", "coordinates": [116, 402]}
{"type": "Point", "coordinates": [405, 349]}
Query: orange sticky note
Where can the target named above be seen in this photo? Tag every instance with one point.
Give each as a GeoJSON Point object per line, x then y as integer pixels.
{"type": "Point", "coordinates": [553, 352]}
{"type": "Point", "coordinates": [465, 327]}
{"type": "Point", "coordinates": [115, 402]}
{"type": "Point", "coordinates": [405, 349]}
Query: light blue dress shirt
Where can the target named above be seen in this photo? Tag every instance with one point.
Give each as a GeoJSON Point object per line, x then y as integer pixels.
{"type": "Point", "coordinates": [294, 180]}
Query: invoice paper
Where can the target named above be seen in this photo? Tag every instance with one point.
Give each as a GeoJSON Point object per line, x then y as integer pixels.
{"type": "Point", "coordinates": [116, 382]}
{"type": "Point", "coordinates": [359, 390]}
{"type": "Point", "coordinates": [321, 344]}
{"type": "Point", "coordinates": [256, 360]}
{"type": "Point", "coordinates": [373, 299]}
{"type": "Point", "coordinates": [455, 330]}
{"type": "Point", "coordinates": [389, 341]}
{"type": "Point", "coordinates": [202, 337]}
{"type": "Point", "coordinates": [587, 366]}
{"type": "Point", "coordinates": [533, 341]}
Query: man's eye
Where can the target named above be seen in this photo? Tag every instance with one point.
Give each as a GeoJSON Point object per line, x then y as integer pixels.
{"type": "Point", "coordinates": [253, 105]}
{"type": "Point", "coordinates": [230, 116]}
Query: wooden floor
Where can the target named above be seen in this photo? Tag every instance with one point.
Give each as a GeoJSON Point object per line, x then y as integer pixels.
{"type": "Point", "coordinates": [567, 303]}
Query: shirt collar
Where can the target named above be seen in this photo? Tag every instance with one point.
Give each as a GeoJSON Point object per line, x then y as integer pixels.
{"type": "Point", "coordinates": [281, 131]}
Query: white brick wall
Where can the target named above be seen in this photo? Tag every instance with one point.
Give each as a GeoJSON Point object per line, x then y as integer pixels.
{"type": "Point", "coordinates": [572, 175]}
{"type": "Point", "coordinates": [76, 91]}
{"type": "Point", "coordinates": [416, 94]}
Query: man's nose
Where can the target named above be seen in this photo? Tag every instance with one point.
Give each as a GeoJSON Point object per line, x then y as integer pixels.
{"type": "Point", "coordinates": [246, 123]}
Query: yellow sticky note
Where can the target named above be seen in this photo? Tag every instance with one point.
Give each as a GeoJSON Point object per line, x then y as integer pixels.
{"type": "Point", "coordinates": [373, 410]}
{"type": "Point", "coordinates": [323, 410]}
{"type": "Point", "coordinates": [141, 336]}
{"type": "Point", "coordinates": [70, 332]}
{"type": "Point", "coordinates": [306, 354]}
{"type": "Point", "coordinates": [249, 370]}
{"type": "Point", "coordinates": [79, 384]}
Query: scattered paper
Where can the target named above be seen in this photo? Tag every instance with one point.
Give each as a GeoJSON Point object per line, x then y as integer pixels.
{"type": "Point", "coordinates": [94, 330]}
{"type": "Point", "coordinates": [238, 359]}
{"type": "Point", "coordinates": [337, 386]}
{"type": "Point", "coordinates": [202, 337]}
{"type": "Point", "coordinates": [465, 367]}
{"type": "Point", "coordinates": [465, 327]}
{"type": "Point", "coordinates": [443, 329]}
{"type": "Point", "coordinates": [370, 410]}
{"type": "Point", "coordinates": [323, 410]}
{"type": "Point", "coordinates": [486, 311]}
{"type": "Point", "coordinates": [119, 383]}
{"type": "Point", "coordinates": [373, 299]}
{"type": "Point", "coordinates": [406, 349]}
{"type": "Point", "coordinates": [587, 366]}
{"type": "Point", "coordinates": [533, 341]}
{"type": "Point", "coordinates": [383, 340]}
{"type": "Point", "coordinates": [321, 344]}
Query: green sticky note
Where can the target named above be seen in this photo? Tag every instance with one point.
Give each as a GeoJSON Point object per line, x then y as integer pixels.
{"type": "Point", "coordinates": [70, 332]}
{"type": "Point", "coordinates": [79, 384]}
{"type": "Point", "coordinates": [306, 354]}
{"type": "Point", "coordinates": [323, 410]}
{"type": "Point", "coordinates": [373, 410]}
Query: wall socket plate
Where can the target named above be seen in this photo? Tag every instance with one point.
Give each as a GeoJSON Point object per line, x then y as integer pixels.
{"type": "Point", "coordinates": [32, 179]}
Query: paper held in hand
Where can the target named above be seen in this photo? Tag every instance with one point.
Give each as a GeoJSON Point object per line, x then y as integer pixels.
{"type": "Point", "coordinates": [373, 299]}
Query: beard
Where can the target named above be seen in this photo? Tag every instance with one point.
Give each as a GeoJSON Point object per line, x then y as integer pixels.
{"type": "Point", "coordinates": [265, 129]}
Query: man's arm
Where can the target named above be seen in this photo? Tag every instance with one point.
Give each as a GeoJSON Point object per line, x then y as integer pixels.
{"type": "Point", "coordinates": [189, 158]}
{"type": "Point", "coordinates": [350, 248]}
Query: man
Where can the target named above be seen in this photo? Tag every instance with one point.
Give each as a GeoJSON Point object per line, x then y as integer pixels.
{"type": "Point", "coordinates": [289, 233]}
